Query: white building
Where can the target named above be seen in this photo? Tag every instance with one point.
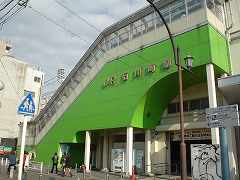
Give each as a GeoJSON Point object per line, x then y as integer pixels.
{"type": "Point", "coordinates": [17, 78]}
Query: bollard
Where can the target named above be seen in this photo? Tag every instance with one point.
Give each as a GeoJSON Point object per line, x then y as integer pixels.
{"type": "Point", "coordinates": [11, 172]}
{"type": "Point", "coordinates": [49, 167]}
{"type": "Point", "coordinates": [106, 176]}
{"type": "Point", "coordinates": [76, 170]}
{"type": "Point", "coordinates": [41, 169]}
{"type": "Point", "coordinates": [84, 173]}
{"type": "Point", "coordinates": [121, 177]}
{"type": "Point", "coordinates": [6, 161]}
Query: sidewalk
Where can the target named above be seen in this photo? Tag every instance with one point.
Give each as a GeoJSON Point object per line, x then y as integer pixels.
{"type": "Point", "coordinates": [94, 176]}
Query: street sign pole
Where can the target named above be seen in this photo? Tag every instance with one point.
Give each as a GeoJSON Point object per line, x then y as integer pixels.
{"type": "Point", "coordinates": [223, 117]}
{"type": "Point", "coordinates": [25, 121]}
{"type": "Point", "coordinates": [27, 108]}
{"type": "Point", "coordinates": [224, 153]}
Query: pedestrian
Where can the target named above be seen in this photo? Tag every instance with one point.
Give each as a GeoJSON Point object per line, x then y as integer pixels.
{"type": "Point", "coordinates": [54, 163]}
{"type": "Point", "coordinates": [12, 160]}
{"type": "Point", "coordinates": [68, 166]}
{"type": "Point", "coordinates": [24, 160]}
{"type": "Point", "coordinates": [63, 163]}
{"type": "Point", "coordinates": [27, 160]}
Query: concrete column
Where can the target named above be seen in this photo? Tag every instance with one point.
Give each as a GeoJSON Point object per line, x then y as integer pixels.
{"type": "Point", "coordinates": [148, 151]}
{"type": "Point", "coordinates": [110, 146]}
{"type": "Point", "coordinates": [212, 97]}
{"type": "Point", "coordinates": [87, 150]}
{"type": "Point", "coordinates": [105, 152]}
{"type": "Point", "coordinates": [129, 151]}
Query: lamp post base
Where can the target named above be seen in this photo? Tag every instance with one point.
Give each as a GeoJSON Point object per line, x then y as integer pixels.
{"type": "Point", "coordinates": [183, 161]}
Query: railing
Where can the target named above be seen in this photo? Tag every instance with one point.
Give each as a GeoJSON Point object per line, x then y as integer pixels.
{"type": "Point", "coordinates": [35, 166]}
{"type": "Point", "coordinates": [108, 40]}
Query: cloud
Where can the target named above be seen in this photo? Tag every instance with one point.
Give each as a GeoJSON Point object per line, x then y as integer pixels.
{"type": "Point", "coordinates": [43, 44]}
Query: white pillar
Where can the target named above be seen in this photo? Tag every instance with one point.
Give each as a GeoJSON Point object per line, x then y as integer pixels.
{"type": "Point", "coordinates": [148, 151]}
{"type": "Point", "coordinates": [87, 150]}
{"type": "Point", "coordinates": [129, 150]}
{"type": "Point", "coordinates": [24, 131]}
{"type": "Point", "coordinates": [105, 152]}
{"type": "Point", "coordinates": [212, 97]}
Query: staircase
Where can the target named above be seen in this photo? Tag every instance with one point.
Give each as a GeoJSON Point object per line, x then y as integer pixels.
{"type": "Point", "coordinates": [82, 74]}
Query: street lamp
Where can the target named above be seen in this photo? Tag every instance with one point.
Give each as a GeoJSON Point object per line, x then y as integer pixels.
{"type": "Point", "coordinates": [189, 63]}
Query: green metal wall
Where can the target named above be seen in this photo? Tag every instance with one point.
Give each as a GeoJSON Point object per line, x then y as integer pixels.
{"type": "Point", "coordinates": [137, 102]}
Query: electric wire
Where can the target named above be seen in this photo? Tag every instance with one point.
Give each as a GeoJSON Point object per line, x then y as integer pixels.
{"type": "Point", "coordinates": [5, 1]}
{"type": "Point", "coordinates": [57, 24]}
{"type": "Point", "coordinates": [51, 83]}
{"type": "Point", "coordinates": [6, 5]}
{"type": "Point", "coordinates": [8, 11]}
{"type": "Point", "coordinates": [96, 28]}
{"type": "Point", "coordinates": [65, 29]}
{"type": "Point", "coordinates": [77, 15]}
{"type": "Point", "coordinates": [53, 78]}
{"type": "Point", "coordinates": [8, 19]}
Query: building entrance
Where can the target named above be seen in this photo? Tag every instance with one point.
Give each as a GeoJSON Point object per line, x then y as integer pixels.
{"type": "Point", "coordinates": [191, 137]}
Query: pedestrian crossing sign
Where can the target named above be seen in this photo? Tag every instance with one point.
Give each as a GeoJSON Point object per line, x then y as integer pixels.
{"type": "Point", "coordinates": [27, 106]}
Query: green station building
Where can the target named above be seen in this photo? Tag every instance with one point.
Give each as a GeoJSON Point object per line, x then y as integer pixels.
{"type": "Point", "coordinates": [119, 107]}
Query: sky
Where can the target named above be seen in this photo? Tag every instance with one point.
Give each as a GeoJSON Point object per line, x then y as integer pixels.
{"type": "Point", "coordinates": [43, 44]}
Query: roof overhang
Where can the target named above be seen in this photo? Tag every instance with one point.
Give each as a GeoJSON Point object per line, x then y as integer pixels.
{"type": "Point", "coordinates": [230, 87]}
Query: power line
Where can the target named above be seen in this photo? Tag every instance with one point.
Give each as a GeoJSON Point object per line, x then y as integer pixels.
{"type": "Point", "coordinates": [77, 15]}
{"type": "Point", "coordinates": [51, 79]}
{"type": "Point", "coordinates": [8, 11]}
{"type": "Point", "coordinates": [95, 28]}
{"type": "Point", "coordinates": [63, 28]}
{"type": "Point", "coordinates": [6, 5]}
{"type": "Point", "coordinates": [5, 1]}
{"type": "Point", "coordinates": [10, 17]}
{"type": "Point", "coordinates": [57, 24]}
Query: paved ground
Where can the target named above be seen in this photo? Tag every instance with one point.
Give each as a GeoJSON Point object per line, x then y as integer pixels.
{"type": "Point", "coordinates": [79, 176]}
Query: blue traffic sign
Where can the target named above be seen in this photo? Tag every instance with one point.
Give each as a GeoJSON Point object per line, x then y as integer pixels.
{"type": "Point", "coordinates": [27, 106]}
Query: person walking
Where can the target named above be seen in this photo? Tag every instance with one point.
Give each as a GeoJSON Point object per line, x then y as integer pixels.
{"type": "Point", "coordinates": [63, 164]}
{"type": "Point", "coordinates": [68, 166]}
{"type": "Point", "coordinates": [54, 163]}
{"type": "Point", "coordinates": [12, 161]}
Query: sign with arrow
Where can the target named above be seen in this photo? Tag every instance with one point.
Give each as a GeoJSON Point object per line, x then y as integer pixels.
{"type": "Point", "coordinates": [27, 106]}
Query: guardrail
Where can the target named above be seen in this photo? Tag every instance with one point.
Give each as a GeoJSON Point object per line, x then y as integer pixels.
{"type": "Point", "coordinates": [35, 167]}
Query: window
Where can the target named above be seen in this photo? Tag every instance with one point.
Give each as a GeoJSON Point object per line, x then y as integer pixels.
{"type": "Point", "coordinates": [166, 14]}
{"type": "Point", "coordinates": [194, 105]}
{"type": "Point", "coordinates": [37, 79]}
{"type": "Point", "coordinates": [194, 5]}
{"type": "Point", "coordinates": [204, 103]}
{"type": "Point", "coordinates": [188, 106]}
{"type": "Point", "coordinates": [148, 22]}
{"type": "Point", "coordinates": [172, 108]}
{"type": "Point", "coordinates": [137, 28]}
{"type": "Point", "coordinates": [178, 10]}
{"type": "Point", "coordinates": [124, 34]}
{"type": "Point", "coordinates": [114, 41]}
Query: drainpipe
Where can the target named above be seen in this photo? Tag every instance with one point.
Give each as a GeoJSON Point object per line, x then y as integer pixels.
{"type": "Point", "coordinates": [228, 28]}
